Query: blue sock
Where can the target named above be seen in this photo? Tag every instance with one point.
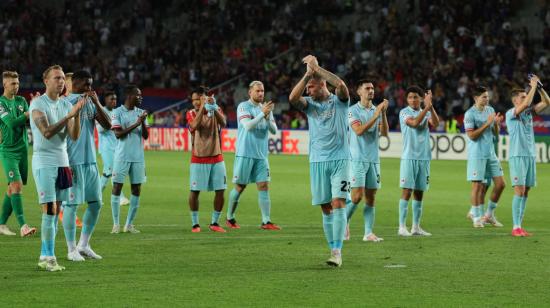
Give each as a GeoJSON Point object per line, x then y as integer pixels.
{"type": "Point", "coordinates": [104, 180]}
{"type": "Point", "coordinates": [134, 205]}
{"type": "Point", "coordinates": [69, 225]}
{"type": "Point", "coordinates": [339, 227]}
{"type": "Point", "coordinates": [328, 223]}
{"type": "Point", "coordinates": [215, 217]}
{"type": "Point", "coordinates": [265, 205]}
{"type": "Point", "coordinates": [350, 209]}
{"type": "Point", "coordinates": [478, 211]}
{"type": "Point", "coordinates": [403, 209]}
{"type": "Point", "coordinates": [522, 209]}
{"type": "Point", "coordinates": [232, 203]}
{"type": "Point", "coordinates": [417, 212]}
{"type": "Point", "coordinates": [88, 222]}
{"type": "Point", "coordinates": [491, 206]}
{"type": "Point", "coordinates": [115, 209]}
{"type": "Point", "coordinates": [368, 214]}
{"type": "Point", "coordinates": [47, 235]}
{"type": "Point", "coordinates": [194, 217]}
{"type": "Point", "coordinates": [516, 208]}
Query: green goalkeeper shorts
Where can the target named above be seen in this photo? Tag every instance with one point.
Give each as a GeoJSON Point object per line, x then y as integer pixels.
{"type": "Point", "coordinates": [16, 169]}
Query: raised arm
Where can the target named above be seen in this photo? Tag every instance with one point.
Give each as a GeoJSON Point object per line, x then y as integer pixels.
{"type": "Point", "coordinates": [144, 126]}
{"type": "Point", "coordinates": [193, 125]}
{"type": "Point", "coordinates": [11, 121]}
{"type": "Point", "coordinates": [295, 98]}
{"type": "Point", "coordinates": [384, 127]}
{"type": "Point", "coordinates": [271, 124]}
{"type": "Point", "coordinates": [100, 115]}
{"type": "Point", "coordinates": [249, 123]}
{"type": "Point", "coordinates": [341, 89]}
{"type": "Point", "coordinates": [544, 103]}
{"type": "Point", "coordinates": [498, 119]}
{"type": "Point", "coordinates": [49, 130]}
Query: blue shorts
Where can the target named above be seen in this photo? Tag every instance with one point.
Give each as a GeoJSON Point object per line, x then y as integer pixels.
{"type": "Point", "coordinates": [45, 179]}
{"type": "Point", "coordinates": [250, 170]}
{"type": "Point", "coordinates": [108, 159]}
{"type": "Point", "coordinates": [480, 169]}
{"type": "Point", "coordinates": [523, 171]}
{"type": "Point", "coordinates": [329, 180]}
{"type": "Point", "coordinates": [208, 177]}
{"type": "Point", "coordinates": [414, 174]}
{"type": "Point", "coordinates": [86, 186]}
{"type": "Point", "coordinates": [365, 174]}
{"type": "Point", "coordinates": [136, 171]}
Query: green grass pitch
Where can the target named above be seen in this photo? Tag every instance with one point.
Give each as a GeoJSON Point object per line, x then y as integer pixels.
{"type": "Point", "coordinates": [166, 265]}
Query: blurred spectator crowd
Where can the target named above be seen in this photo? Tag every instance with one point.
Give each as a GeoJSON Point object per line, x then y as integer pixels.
{"type": "Point", "coordinates": [447, 46]}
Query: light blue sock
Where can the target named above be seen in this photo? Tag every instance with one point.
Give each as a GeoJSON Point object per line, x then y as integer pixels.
{"type": "Point", "coordinates": [194, 217]}
{"type": "Point", "coordinates": [104, 180]}
{"type": "Point", "coordinates": [265, 205]}
{"type": "Point", "coordinates": [350, 209]}
{"type": "Point", "coordinates": [417, 212]}
{"type": "Point", "coordinates": [522, 209]}
{"type": "Point", "coordinates": [368, 214]}
{"type": "Point", "coordinates": [491, 206]}
{"type": "Point", "coordinates": [516, 211]}
{"type": "Point", "coordinates": [134, 205]}
{"type": "Point", "coordinates": [403, 209]}
{"type": "Point", "coordinates": [339, 227]}
{"type": "Point", "coordinates": [232, 203]}
{"type": "Point", "coordinates": [89, 222]}
{"type": "Point", "coordinates": [473, 211]}
{"type": "Point", "coordinates": [478, 211]}
{"type": "Point", "coordinates": [215, 217]}
{"type": "Point", "coordinates": [115, 209]}
{"type": "Point", "coordinates": [328, 223]}
{"type": "Point", "coordinates": [47, 235]}
{"type": "Point", "coordinates": [69, 225]}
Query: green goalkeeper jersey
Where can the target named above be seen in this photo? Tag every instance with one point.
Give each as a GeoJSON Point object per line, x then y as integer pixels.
{"type": "Point", "coordinates": [12, 126]}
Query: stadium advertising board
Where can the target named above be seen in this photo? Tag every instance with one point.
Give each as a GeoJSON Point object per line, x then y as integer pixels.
{"type": "Point", "coordinates": [296, 142]}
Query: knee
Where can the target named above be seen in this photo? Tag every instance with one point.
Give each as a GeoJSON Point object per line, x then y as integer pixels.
{"type": "Point", "coordinates": [263, 186]}
{"type": "Point", "coordinates": [136, 190]}
{"type": "Point", "coordinates": [406, 194]}
{"type": "Point", "coordinates": [15, 188]}
{"type": "Point", "coordinates": [239, 188]}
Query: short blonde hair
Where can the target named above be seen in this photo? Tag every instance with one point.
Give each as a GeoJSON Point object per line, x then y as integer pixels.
{"type": "Point", "coordinates": [9, 74]}
{"type": "Point", "coordinates": [255, 83]}
{"type": "Point", "coordinates": [49, 69]}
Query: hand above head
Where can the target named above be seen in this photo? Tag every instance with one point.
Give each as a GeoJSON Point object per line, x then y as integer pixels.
{"type": "Point", "coordinates": [533, 81]}
{"type": "Point", "coordinates": [428, 100]}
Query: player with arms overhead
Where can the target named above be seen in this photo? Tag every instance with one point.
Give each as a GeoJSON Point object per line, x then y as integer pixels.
{"type": "Point", "coordinates": [414, 172]}
{"type": "Point", "coordinates": [329, 154]}
{"type": "Point", "coordinates": [523, 172]}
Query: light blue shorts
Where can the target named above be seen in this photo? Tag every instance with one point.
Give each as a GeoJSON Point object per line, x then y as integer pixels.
{"type": "Point", "coordinates": [365, 174]}
{"type": "Point", "coordinates": [329, 180]}
{"type": "Point", "coordinates": [523, 171]}
{"type": "Point", "coordinates": [208, 177]}
{"type": "Point", "coordinates": [136, 171]}
{"type": "Point", "coordinates": [108, 159]}
{"type": "Point", "coordinates": [480, 169]}
{"type": "Point", "coordinates": [86, 186]}
{"type": "Point", "coordinates": [45, 179]}
{"type": "Point", "coordinates": [414, 174]}
{"type": "Point", "coordinates": [250, 170]}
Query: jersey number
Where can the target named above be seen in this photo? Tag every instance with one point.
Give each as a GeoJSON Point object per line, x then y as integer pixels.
{"type": "Point", "coordinates": [345, 186]}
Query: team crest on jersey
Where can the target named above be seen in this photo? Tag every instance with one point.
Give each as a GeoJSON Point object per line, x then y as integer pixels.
{"type": "Point", "coordinates": [20, 108]}
{"type": "Point", "coordinates": [10, 174]}
{"type": "Point", "coordinates": [349, 115]}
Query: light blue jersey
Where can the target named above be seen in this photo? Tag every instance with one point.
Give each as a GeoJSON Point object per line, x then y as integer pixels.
{"type": "Point", "coordinates": [82, 151]}
{"type": "Point", "coordinates": [252, 143]}
{"type": "Point", "coordinates": [364, 147]}
{"type": "Point", "coordinates": [328, 129]}
{"type": "Point", "coordinates": [522, 136]}
{"type": "Point", "coordinates": [482, 147]}
{"type": "Point", "coordinates": [107, 139]}
{"type": "Point", "coordinates": [129, 148]}
{"type": "Point", "coordinates": [416, 140]}
{"type": "Point", "coordinates": [49, 152]}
